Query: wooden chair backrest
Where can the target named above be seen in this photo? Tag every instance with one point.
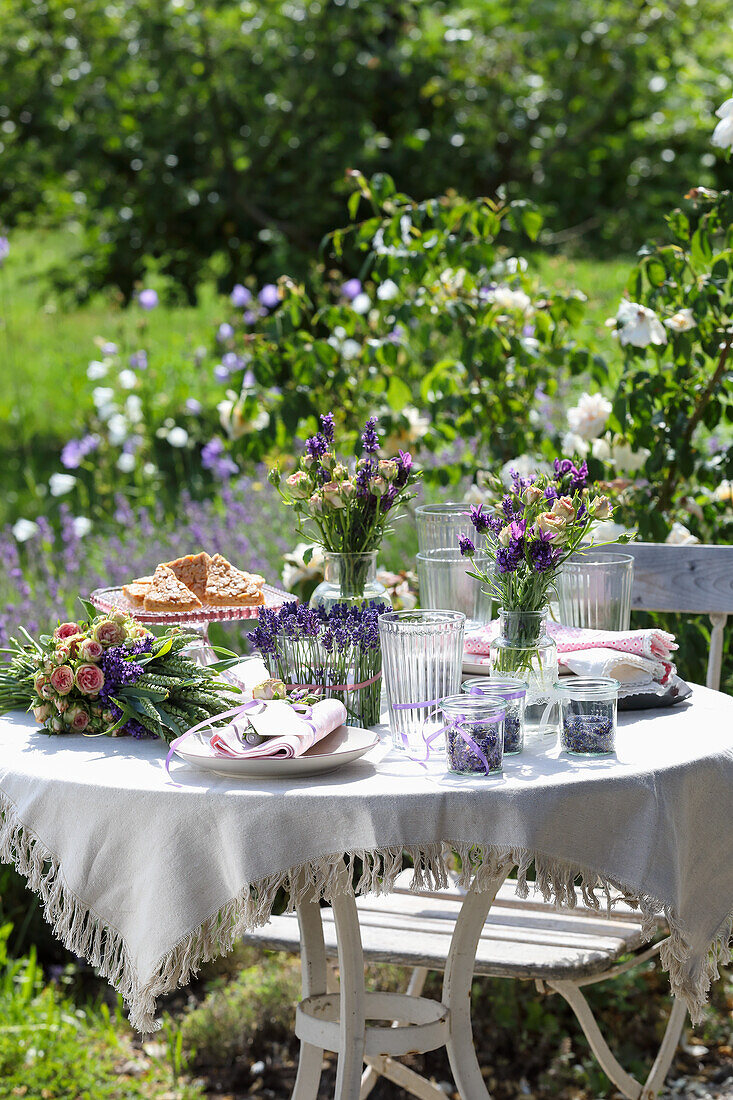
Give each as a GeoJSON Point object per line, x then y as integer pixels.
{"type": "Point", "coordinates": [693, 579]}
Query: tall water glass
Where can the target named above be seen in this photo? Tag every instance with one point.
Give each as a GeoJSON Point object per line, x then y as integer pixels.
{"type": "Point", "coordinates": [594, 590]}
{"type": "Point", "coordinates": [445, 583]}
{"type": "Point", "coordinates": [441, 525]}
{"type": "Point", "coordinates": [422, 653]}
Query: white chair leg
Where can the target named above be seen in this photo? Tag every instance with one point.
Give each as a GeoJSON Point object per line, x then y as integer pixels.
{"type": "Point", "coordinates": [352, 1032]}
{"type": "Point", "coordinates": [608, 1062]}
{"type": "Point", "coordinates": [382, 1066]}
{"type": "Point", "coordinates": [313, 969]}
{"type": "Point", "coordinates": [663, 1061]}
{"type": "Point", "coordinates": [457, 982]}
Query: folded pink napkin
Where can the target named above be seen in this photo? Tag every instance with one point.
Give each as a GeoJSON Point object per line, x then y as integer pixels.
{"type": "Point", "coordinates": [655, 645]}
{"type": "Point", "coordinates": [298, 730]}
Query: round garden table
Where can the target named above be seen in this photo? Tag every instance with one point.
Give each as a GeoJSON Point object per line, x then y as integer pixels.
{"type": "Point", "coordinates": [148, 877]}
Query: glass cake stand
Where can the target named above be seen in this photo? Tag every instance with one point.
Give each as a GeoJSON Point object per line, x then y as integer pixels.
{"type": "Point", "coordinates": [107, 600]}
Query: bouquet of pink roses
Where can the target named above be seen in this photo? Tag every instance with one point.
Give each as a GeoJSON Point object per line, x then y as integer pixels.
{"type": "Point", "coordinates": [109, 675]}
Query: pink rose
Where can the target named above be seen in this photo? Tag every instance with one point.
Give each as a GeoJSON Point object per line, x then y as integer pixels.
{"type": "Point", "coordinates": [74, 641]}
{"type": "Point", "coordinates": [42, 713]}
{"type": "Point", "coordinates": [78, 719]}
{"type": "Point", "coordinates": [61, 704]}
{"type": "Point", "coordinates": [62, 679]}
{"type": "Point", "coordinates": [39, 683]}
{"type": "Point", "coordinates": [89, 679]}
{"type": "Point", "coordinates": [90, 650]}
{"type": "Point", "coordinates": [108, 633]}
{"type": "Point", "coordinates": [62, 654]}
{"type": "Point", "coordinates": [65, 630]}
{"type": "Point", "coordinates": [47, 691]}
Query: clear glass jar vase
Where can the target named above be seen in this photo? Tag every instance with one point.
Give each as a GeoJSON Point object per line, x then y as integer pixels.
{"type": "Point", "coordinates": [351, 579]}
{"type": "Point", "coordinates": [523, 649]}
{"type": "Point", "coordinates": [588, 710]}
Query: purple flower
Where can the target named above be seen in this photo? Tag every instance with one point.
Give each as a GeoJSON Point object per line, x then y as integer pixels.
{"type": "Point", "coordinates": [389, 498]}
{"type": "Point", "coordinates": [249, 317]}
{"type": "Point", "coordinates": [108, 348]}
{"type": "Point", "coordinates": [4, 248]}
{"type": "Point", "coordinates": [77, 449]}
{"type": "Point", "coordinates": [404, 466]}
{"type": "Point", "coordinates": [563, 466]}
{"type": "Point", "coordinates": [221, 373]}
{"type": "Point", "coordinates": [240, 296]}
{"type": "Point", "coordinates": [579, 477]}
{"type": "Point", "coordinates": [364, 477]}
{"type": "Point", "coordinates": [269, 296]}
{"type": "Point", "coordinates": [211, 451]}
{"type": "Point", "coordinates": [148, 299]}
{"type": "Point", "coordinates": [369, 437]}
{"type": "Point", "coordinates": [541, 553]}
{"type": "Point", "coordinates": [479, 518]}
{"type": "Point", "coordinates": [351, 288]}
{"type": "Point", "coordinates": [466, 546]}
{"type": "Point", "coordinates": [225, 332]}
{"type": "Point", "coordinates": [248, 380]}
{"type": "Point", "coordinates": [193, 406]}
{"type": "Point", "coordinates": [551, 492]}
{"type": "Point", "coordinates": [508, 558]}
{"type": "Point", "coordinates": [316, 446]}
{"type": "Point", "coordinates": [139, 360]}
{"type": "Point", "coordinates": [327, 426]}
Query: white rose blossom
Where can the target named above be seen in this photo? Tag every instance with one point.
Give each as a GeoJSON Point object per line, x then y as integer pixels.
{"type": "Point", "coordinates": [178, 437]}
{"type": "Point", "coordinates": [82, 526]}
{"type": "Point", "coordinates": [639, 326]}
{"type": "Point", "coordinates": [588, 418]}
{"type": "Point", "coordinates": [682, 321]}
{"type": "Point", "coordinates": [24, 529]}
{"type": "Point", "coordinates": [680, 536]}
{"type": "Point", "coordinates": [60, 484]}
{"type": "Point", "coordinates": [723, 132]}
{"type": "Point", "coordinates": [507, 299]}
{"type": "Point", "coordinates": [573, 444]}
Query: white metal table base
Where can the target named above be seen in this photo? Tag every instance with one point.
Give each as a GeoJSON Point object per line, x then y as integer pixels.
{"type": "Point", "coordinates": [338, 1021]}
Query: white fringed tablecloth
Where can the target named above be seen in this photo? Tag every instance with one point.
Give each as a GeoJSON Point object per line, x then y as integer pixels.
{"type": "Point", "coordinates": [148, 880]}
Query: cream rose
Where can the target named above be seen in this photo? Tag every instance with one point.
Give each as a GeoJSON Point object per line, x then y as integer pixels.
{"type": "Point", "coordinates": [62, 679]}
{"type": "Point", "coordinates": [332, 494]}
{"type": "Point", "coordinates": [269, 689]}
{"type": "Point", "coordinates": [42, 713]}
{"type": "Point", "coordinates": [90, 650]}
{"type": "Point", "coordinates": [297, 484]}
{"type": "Point", "coordinates": [109, 633]}
{"type": "Point", "coordinates": [550, 524]}
{"type": "Point", "coordinates": [564, 508]}
{"type": "Point", "coordinates": [600, 508]}
{"type": "Point", "coordinates": [89, 679]}
{"type": "Point", "coordinates": [65, 630]}
{"type": "Point", "coordinates": [77, 719]}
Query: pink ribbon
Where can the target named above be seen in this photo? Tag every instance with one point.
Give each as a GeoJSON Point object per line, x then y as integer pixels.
{"type": "Point", "coordinates": [338, 687]}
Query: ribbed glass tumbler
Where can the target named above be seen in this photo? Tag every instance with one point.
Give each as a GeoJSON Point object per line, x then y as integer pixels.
{"type": "Point", "coordinates": [422, 652]}
{"type": "Point", "coordinates": [445, 584]}
{"type": "Point", "coordinates": [594, 590]}
{"type": "Point", "coordinates": [440, 525]}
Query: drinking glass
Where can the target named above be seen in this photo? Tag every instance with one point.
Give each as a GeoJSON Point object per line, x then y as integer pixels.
{"type": "Point", "coordinates": [439, 525]}
{"type": "Point", "coordinates": [588, 715]}
{"type": "Point", "coordinates": [594, 590]}
{"type": "Point", "coordinates": [422, 653]}
{"type": "Point", "coordinates": [445, 583]}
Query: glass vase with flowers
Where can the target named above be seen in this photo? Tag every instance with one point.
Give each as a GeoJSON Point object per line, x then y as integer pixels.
{"type": "Point", "coordinates": [542, 521]}
{"type": "Point", "coordinates": [347, 509]}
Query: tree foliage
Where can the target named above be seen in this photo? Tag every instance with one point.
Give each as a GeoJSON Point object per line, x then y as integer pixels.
{"type": "Point", "coordinates": [196, 133]}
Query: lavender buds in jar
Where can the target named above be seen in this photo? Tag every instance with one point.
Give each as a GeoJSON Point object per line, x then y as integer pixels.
{"type": "Point", "coordinates": [512, 692]}
{"type": "Point", "coordinates": [588, 716]}
{"type": "Point", "coordinates": [474, 734]}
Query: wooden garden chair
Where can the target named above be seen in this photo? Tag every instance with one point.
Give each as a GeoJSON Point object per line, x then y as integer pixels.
{"type": "Point", "coordinates": [561, 950]}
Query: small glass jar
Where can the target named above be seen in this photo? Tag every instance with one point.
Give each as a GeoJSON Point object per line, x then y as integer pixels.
{"type": "Point", "coordinates": [351, 579]}
{"type": "Point", "coordinates": [588, 716]}
{"type": "Point", "coordinates": [513, 693]}
{"type": "Point", "coordinates": [474, 734]}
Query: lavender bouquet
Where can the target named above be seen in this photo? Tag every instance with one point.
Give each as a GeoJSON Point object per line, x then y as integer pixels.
{"type": "Point", "coordinates": [542, 521]}
{"type": "Point", "coordinates": [337, 650]}
{"type": "Point", "coordinates": [347, 509]}
{"type": "Point", "coordinates": [107, 674]}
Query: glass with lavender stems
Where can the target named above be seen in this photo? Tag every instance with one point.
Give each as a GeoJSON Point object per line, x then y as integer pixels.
{"type": "Point", "coordinates": [421, 658]}
{"type": "Point", "coordinates": [588, 715]}
{"type": "Point", "coordinates": [445, 583]}
{"type": "Point", "coordinates": [594, 590]}
{"type": "Point", "coordinates": [474, 734]}
{"type": "Point", "coordinates": [440, 525]}
{"type": "Point", "coordinates": [512, 692]}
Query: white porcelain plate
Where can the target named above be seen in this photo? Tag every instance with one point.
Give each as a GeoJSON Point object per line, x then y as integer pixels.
{"type": "Point", "coordinates": [344, 745]}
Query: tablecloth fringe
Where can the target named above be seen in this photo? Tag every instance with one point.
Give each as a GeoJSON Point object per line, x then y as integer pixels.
{"type": "Point", "coordinates": [371, 871]}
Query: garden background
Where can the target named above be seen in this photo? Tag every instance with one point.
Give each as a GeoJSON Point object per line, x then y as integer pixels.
{"type": "Point", "coordinates": [220, 220]}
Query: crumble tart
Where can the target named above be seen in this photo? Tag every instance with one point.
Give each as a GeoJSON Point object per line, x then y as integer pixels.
{"type": "Point", "coordinates": [228, 586]}
{"type": "Point", "coordinates": [167, 593]}
{"type": "Point", "coordinates": [192, 570]}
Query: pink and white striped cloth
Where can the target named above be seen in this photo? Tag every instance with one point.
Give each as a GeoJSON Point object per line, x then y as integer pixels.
{"type": "Point", "coordinates": [655, 646]}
